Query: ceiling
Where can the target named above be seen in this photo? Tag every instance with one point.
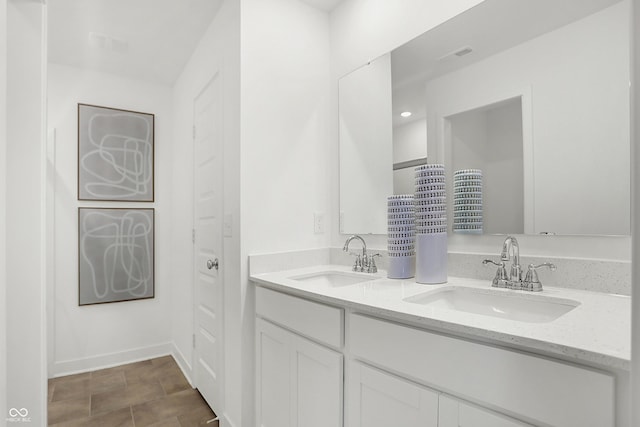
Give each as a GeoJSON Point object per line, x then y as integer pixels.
{"type": "Point", "coordinates": [326, 5]}
{"type": "Point", "coordinates": [143, 39]}
{"type": "Point", "coordinates": [488, 28]}
{"type": "Point", "coordinates": [151, 40]}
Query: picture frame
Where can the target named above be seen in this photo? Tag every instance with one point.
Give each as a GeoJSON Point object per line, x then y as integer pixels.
{"type": "Point", "coordinates": [115, 154]}
{"type": "Point", "coordinates": [116, 260]}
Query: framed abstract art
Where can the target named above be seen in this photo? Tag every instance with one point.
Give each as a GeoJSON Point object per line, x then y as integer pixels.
{"type": "Point", "coordinates": [116, 254]}
{"type": "Point", "coordinates": [115, 154]}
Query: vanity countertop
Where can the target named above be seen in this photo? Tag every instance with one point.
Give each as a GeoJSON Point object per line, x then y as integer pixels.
{"type": "Point", "coordinates": [598, 331]}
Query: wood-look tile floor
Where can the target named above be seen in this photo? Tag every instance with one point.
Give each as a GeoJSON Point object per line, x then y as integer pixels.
{"type": "Point", "coordinates": [148, 393]}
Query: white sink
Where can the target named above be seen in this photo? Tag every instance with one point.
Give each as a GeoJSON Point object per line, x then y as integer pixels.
{"type": "Point", "coordinates": [334, 279]}
{"type": "Point", "coordinates": [514, 305]}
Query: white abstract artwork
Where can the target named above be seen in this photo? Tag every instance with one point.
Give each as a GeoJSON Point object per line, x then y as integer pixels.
{"type": "Point", "coordinates": [116, 251]}
{"type": "Point", "coordinates": [115, 154]}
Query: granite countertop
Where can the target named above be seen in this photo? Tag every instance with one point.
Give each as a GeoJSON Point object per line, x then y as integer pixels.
{"type": "Point", "coordinates": [597, 331]}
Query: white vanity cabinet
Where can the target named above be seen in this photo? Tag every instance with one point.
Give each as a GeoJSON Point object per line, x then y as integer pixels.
{"type": "Point", "coordinates": [455, 413]}
{"type": "Point", "coordinates": [298, 380]}
{"type": "Point", "coordinates": [535, 389]}
{"type": "Point", "coordinates": [379, 399]}
{"type": "Point", "coordinates": [403, 375]}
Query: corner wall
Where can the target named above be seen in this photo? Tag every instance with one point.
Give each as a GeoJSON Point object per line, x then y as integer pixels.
{"type": "Point", "coordinates": [635, 213]}
{"type": "Point", "coordinates": [96, 336]}
{"type": "Point", "coordinates": [25, 293]}
{"type": "Point", "coordinates": [3, 203]}
{"type": "Point", "coordinates": [284, 154]}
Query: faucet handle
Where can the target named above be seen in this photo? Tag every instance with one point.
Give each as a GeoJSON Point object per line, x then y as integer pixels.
{"type": "Point", "coordinates": [357, 264]}
{"type": "Point", "coordinates": [531, 281]}
{"type": "Point", "coordinates": [501, 280]}
{"type": "Point", "coordinates": [372, 267]}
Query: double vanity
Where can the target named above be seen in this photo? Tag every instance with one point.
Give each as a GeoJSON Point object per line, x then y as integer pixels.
{"type": "Point", "coordinates": [336, 347]}
{"type": "Point", "coordinates": [537, 98]}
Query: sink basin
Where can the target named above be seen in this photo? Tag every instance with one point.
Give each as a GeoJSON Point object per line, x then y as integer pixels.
{"type": "Point", "coordinates": [505, 305]}
{"type": "Point", "coordinates": [334, 279]}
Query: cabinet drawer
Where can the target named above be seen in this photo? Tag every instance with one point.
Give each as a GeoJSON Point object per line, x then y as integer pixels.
{"type": "Point", "coordinates": [536, 389]}
{"type": "Point", "coordinates": [317, 321]}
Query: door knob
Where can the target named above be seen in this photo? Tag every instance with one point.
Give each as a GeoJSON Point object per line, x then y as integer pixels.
{"type": "Point", "coordinates": [211, 264]}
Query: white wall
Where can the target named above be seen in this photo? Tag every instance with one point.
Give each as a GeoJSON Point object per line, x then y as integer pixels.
{"type": "Point", "coordinates": [284, 162]}
{"type": "Point", "coordinates": [635, 217]}
{"type": "Point", "coordinates": [366, 147]}
{"type": "Point", "coordinates": [504, 170]}
{"type": "Point", "coordinates": [571, 110]}
{"type": "Point", "coordinates": [94, 336]}
{"type": "Point", "coordinates": [491, 140]}
{"type": "Point", "coordinates": [219, 49]}
{"type": "Point", "coordinates": [362, 30]}
{"type": "Point", "coordinates": [410, 141]}
{"type": "Point", "coordinates": [26, 361]}
{"type": "Point", "coordinates": [3, 202]}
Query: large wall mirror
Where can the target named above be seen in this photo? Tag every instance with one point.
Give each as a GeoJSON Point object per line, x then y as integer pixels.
{"type": "Point", "coordinates": [535, 93]}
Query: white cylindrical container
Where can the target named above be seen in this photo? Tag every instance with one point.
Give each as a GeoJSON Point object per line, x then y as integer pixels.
{"type": "Point", "coordinates": [402, 267]}
{"type": "Point", "coordinates": [431, 258]}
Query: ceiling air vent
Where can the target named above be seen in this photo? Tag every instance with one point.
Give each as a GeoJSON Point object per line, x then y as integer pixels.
{"type": "Point", "coordinates": [103, 41]}
{"type": "Point", "coordinates": [464, 51]}
{"type": "Point", "coordinates": [458, 53]}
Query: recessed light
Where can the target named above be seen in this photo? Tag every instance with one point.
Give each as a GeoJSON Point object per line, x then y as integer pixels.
{"type": "Point", "coordinates": [406, 114]}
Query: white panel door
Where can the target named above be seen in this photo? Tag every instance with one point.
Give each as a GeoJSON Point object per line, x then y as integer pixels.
{"type": "Point", "coordinates": [454, 413]}
{"type": "Point", "coordinates": [379, 399]}
{"type": "Point", "coordinates": [273, 375]}
{"type": "Point", "coordinates": [208, 210]}
{"type": "Point", "coordinates": [317, 385]}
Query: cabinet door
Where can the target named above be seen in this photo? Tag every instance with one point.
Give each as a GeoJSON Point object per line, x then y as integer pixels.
{"type": "Point", "coordinates": [317, 386]}
{"type": "Point", "coordinates": [298, 382]}
{"type": "Point", "coordinates": [273, 375]}
{"type": "Point", "coordinates": [454, 413]}
{"type": "Point", "coordinates": [379, 399]}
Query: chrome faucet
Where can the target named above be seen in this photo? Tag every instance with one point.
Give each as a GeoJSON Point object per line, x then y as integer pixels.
{"type": "Point", "coordinates": [531, 281]}
{"type": "Point", "coordinates": [364, 262]}
{"type": "Point", "coordinates": [514, 279]}
{"type": "Point", "coordinates": [515, 274]}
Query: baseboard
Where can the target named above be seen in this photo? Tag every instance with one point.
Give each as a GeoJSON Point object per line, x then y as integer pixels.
{"type": "Point", "coordinates": [225, 421]}
{"type": "Point", "coordinates": [182, 362]}
{"type": "Point", "coordinates": [92, 363]}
